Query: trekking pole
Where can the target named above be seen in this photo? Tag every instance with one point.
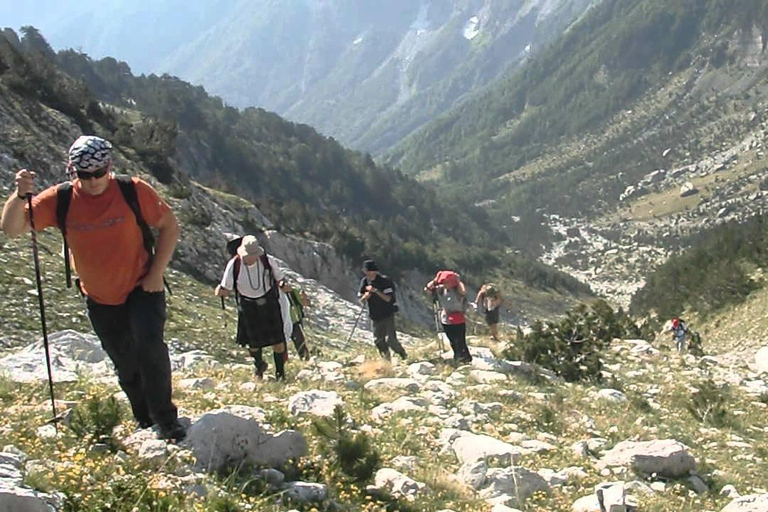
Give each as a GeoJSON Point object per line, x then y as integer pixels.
{"type": "Point", "coordinates": [224, 309]}
{"type": "Point", "coordinates": [359, 315]}
{"type": "Point", "coordinates": [436, 313]}
{"type": "Point", "coordinates": [36, 258]}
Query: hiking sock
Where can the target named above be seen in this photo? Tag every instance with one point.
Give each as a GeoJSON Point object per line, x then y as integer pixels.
{"type": "Point", "coordinates": [260, 365]}
{"type": "Point", "coordinates": [279, 365]}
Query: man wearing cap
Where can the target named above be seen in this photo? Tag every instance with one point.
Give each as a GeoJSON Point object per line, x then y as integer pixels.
{"type": "Point", "coordinates": [263, 317]}
{"type": "Point", "coordinates": [121, 282]}
{"type": "Point", "coordinates": [379, 292]}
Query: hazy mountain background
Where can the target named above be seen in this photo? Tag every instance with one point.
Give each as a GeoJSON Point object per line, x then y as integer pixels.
{"type": "Point", "coordinates": [365, 72]}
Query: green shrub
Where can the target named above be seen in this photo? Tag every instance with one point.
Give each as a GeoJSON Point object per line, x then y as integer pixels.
{"type": "Point", "coordinates": [196, 216]}
{"type": "Point", "coordinates": [7, 388]}
{"type": "Point", "coordinates": [94, 419]}
{"type": "Point", "coordinates": [352, 453]}
{"type": "Point", "coordinates": [708, 404]}
{"type": "Point", "coordinates": [179, 190]}
{"type": "Point", "coordinates": [571, 348]}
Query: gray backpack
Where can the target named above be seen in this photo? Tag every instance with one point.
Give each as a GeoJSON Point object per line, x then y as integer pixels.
{"type": "Point", "coordinates": [451, 301]}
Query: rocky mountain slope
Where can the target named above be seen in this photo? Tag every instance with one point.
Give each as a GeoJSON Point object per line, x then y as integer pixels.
{"type": "Point", "coordinates": [609, 149]}
{"type": "Point", "coordinates": [663, 431]}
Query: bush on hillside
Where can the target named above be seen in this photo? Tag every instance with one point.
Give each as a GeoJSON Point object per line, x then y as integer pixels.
{"type": "Point", "coordinates": [95, 418]}
{"type": "Point", "coordinates": [709, 404]}
{"type": "Point", "coordinates": [352, 453]}
{"type": "Point", "coordinates": [572, 347]}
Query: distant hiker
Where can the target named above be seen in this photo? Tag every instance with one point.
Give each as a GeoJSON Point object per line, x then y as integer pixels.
{"type": "Point", "coordinates": [451, 293]}
{"type": "Point", "coordinates": [489, 302]}
{"type": "Point", "coordinates": [262, 311]}
{"type": "Point", "coordinates": [679, 330]}
{"type": "Point", "coordinates": [119, 276]}
{"type": "Point", "coordinates": [299, 301]}
{"type": "Point", "coordinates": [379, 292]}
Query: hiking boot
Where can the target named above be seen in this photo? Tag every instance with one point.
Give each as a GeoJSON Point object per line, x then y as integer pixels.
{"type": "Point", "coordinates": [173, 432]}
{"type": "Point", "coordinates": [144, 424]}
{"type": "Point", "coordinates": [403, 355]}
{"type": "Point", "coordinates": [260, 369]}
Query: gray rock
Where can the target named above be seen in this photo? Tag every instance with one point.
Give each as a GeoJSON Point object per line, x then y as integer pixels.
{"type": "Point", "coordinates": [612, 395]}
{"type": "Point", "coordinates": [749, 503]}
{"type": "Point", "coordinates": [314, 402]}
{"type": "Point", "coordinates": [404, 403]}
{"type": "Point", "coordinates": [272, 477]}
{"type": "Point", "coordinates": [470, 447]}
{"type": "Point", "coordinates": [232, 435]}
{"type": "Point", "coordinates": [697, 484]}
{"type": "Point", "coordinates": [472, 474]}
{"type": "Point", "coordinates": [409, 385]}
{"type": "Point", "coordinates": [153, 451]}
{"type": "Point", "coordinates": [197, 384]}
{"type": "Point", "coordinates": [668, 458]}
{"type": "Point", "coordinates": [688, 189]}
{"type": "Point", "coordinates": [514, 481]}
{"type": "Point", "coordinates": [761, 360]}
{"type": "Point", "coordinates": [16, 498]}
{"type": "Point", "coordinates": [397, 484]}
{"type": "Point", "coordinates": [421, 370]}
{"type": "Point", "coordinates": [305, 492]}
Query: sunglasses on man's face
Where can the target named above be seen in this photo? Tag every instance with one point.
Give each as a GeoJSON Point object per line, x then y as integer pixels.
{"type": "Point", "coordinates": [92, 175]}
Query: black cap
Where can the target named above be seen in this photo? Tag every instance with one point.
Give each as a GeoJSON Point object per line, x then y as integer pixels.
{"type": "Point", "coordinates": [370, 265]}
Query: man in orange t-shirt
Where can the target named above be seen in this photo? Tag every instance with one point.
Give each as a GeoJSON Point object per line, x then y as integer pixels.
{"type": "Point", "coordinates": [122, 283]}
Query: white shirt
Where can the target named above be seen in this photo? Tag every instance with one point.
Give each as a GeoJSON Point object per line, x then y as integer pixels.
{"type": "Point", "coordinates": [253, 281]}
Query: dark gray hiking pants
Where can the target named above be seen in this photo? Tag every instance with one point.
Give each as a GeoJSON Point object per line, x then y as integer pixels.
{"type": "Point", "coordinates": [385, 336]}
{"type": "Point", "coordinates": [132, 336]}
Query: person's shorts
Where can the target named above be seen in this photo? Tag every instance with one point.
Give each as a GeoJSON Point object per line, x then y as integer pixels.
{"type": "Point", "coordinates": [492, 316]}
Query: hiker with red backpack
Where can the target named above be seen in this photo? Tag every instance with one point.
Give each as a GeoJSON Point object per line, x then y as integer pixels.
{"type": "Point", "coordinates": [106, 227]}
{"type": "Point", "coordinates": [262, 311]}
{"type": "Point", "coordinates": [679, 331]}
{"type": "Point", "coordinates": [450, 292]}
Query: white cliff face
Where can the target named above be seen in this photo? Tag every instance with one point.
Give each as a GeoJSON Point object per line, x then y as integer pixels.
{"type": "Point", "coordinates": [753, 45]}
{"type": "Point", "coordinates": [314, 260]}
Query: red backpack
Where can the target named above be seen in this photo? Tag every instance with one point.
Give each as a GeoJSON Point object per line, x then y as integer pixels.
{"type": "Point", "coordinates": [447, 278]}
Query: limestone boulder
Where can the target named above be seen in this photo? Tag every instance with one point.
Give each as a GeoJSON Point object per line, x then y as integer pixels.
{"type": "Point", "coordinates": [666, 458]}
{"type": "Point", "coordinates": [314, 402]}
{"type": "Point", "coordinates": [232, 435]}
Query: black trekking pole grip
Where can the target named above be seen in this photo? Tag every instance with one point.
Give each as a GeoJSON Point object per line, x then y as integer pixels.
{"type": "Point", "coordinates": [36, 259]}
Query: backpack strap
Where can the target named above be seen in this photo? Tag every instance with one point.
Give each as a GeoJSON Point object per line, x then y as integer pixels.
{"type": "Point", "coordinates": [268, 266]}
{"type": "Point", "coordinates": [63, 198]}
{"type": "Point", "coordinates": [235, 273]}
{"type": "Point", "coordinates": [128, 189]}
{"type": "Point", "coordinates": [131, 197]}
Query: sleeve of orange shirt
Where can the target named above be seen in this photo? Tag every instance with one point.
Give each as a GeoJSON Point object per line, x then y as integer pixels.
{"type": "Point", "coordinates": [153, 208]}
{"type": "Point", "coordinates": [44, 208]}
